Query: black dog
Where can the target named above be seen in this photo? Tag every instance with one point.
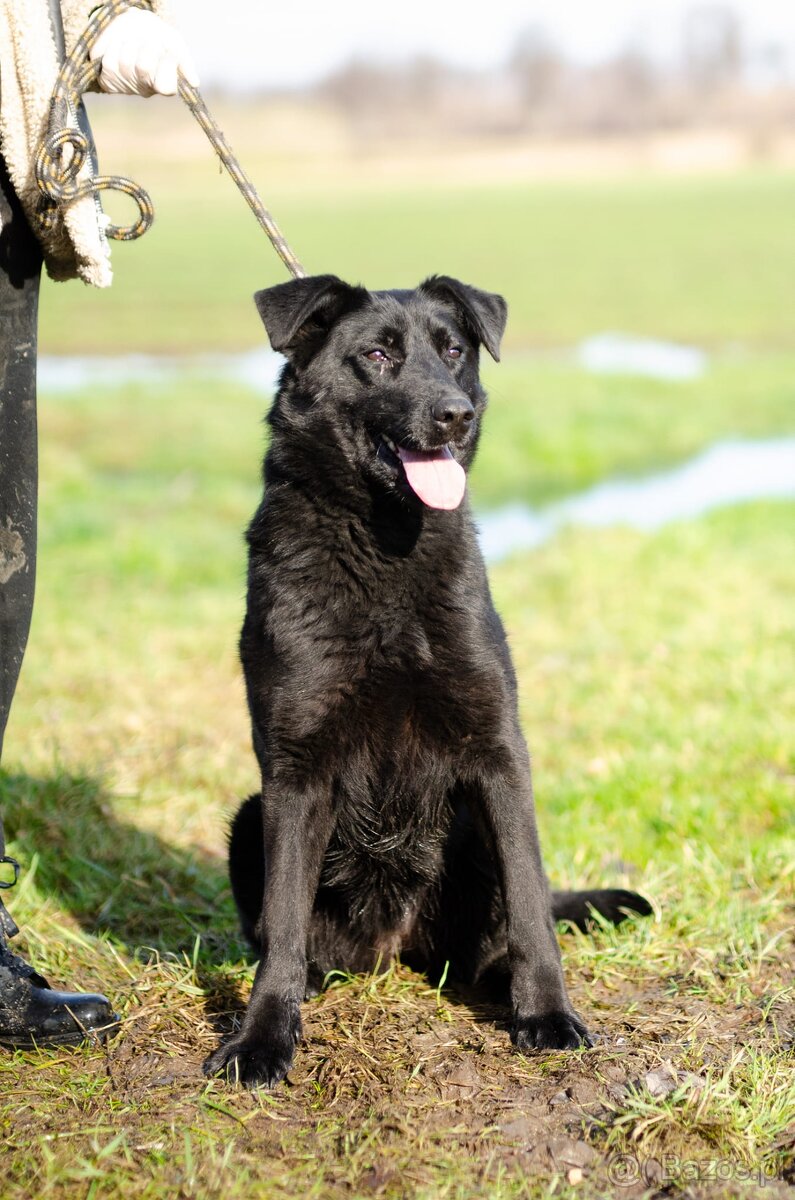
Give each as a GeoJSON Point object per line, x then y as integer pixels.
{"type": "Point", "coordinates": [396, 811]}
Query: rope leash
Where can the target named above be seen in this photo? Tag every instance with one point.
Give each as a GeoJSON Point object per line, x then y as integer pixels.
{"type": "Point", "coordinates": [64, 149]}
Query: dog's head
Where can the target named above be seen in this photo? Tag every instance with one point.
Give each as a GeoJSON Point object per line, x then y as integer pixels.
{"type": "Point", "coordinates": [386, 382]}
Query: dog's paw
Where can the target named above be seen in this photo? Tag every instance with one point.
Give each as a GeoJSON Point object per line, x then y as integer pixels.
{"type": "Point", "coordinates": [550, 1031]}
{"type": "Point", "coordinates": [256, 1059]}
{"type": "Point", "coordinates": [250, 1063]}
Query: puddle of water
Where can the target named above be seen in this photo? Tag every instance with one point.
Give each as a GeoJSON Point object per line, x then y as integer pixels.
{"type": "Point", "coordinates": [514, 527]}
{"type": "Point", "coordinates": [605, 353]}
{"type": "Point", "coordinates": [727, 473]}
{"type": "Point", "coordinates": [258, 369]}
{"type": "Point", "coordinates": [623, 354]}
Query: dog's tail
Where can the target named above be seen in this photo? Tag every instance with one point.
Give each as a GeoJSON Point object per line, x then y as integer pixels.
{"type": "Point", "coordinates": [613, 904]}
{"type": "Point", "coordinates": [247, 865]}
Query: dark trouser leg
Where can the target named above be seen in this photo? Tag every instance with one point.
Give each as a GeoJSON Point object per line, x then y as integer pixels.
{"type": "Point", "coordinates": [20, 270]}
{"type": "Point", "coordinates": [31, 1013]}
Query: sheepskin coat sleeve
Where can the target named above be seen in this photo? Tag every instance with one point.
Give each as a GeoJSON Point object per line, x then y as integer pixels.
{"type": "Point", "coordinates": [76, 247]}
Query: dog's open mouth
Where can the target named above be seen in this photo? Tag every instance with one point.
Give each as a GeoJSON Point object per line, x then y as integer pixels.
{"type": "Point", "coordinates": [434, 475]}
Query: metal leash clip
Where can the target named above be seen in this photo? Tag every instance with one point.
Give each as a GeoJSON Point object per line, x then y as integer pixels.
{"type": "Point", "coordinates": [11, 862]}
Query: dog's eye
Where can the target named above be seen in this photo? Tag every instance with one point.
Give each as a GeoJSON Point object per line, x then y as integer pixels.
{"type": "Point", "coordinates": [379, 356]}
{"type": "Point", "coordinates": [454, 352]}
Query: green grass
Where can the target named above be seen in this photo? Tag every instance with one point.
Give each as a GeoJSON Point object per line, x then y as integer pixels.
{"type": "Point", "coordinates": [709, 261]}
{"type": "Point", "coordinates": [649, 707]}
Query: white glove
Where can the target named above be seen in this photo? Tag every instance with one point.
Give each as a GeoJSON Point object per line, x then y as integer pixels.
{"type": "Point", "coordinates": [141, 54]}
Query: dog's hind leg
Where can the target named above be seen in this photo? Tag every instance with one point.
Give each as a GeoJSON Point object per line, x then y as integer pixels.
{"type": "Point", "coordinates": [247, 865]}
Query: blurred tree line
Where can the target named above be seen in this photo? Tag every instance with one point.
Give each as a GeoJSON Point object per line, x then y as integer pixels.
{"type": "Point", "coordinates": [716, 78]}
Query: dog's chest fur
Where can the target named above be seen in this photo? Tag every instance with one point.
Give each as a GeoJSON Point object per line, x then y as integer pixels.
{"type": "Point", "coordinates": [369, 671]}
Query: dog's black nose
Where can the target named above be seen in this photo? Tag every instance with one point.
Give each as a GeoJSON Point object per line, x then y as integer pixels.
{"type": "Point", "coordinates": [453, 413]}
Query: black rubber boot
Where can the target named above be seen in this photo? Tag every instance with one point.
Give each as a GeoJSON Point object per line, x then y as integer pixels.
{"type": "Point", "coordinates": [31, 1012]}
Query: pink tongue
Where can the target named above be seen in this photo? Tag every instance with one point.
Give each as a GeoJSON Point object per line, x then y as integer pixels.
{"type": "Point", "coordinates": [435, 476]}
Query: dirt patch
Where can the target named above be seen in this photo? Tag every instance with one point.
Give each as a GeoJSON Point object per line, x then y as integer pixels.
{"type": "Point", "coordinates": [395, 1087]}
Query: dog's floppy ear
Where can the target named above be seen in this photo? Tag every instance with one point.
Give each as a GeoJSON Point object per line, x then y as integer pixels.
{"type": "Point", "coordinates": [295, 312]}
{"type": "Point", "coordinates": [485, 313]}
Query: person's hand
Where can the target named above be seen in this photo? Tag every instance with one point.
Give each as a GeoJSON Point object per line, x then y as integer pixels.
{"type": "Point", "coordinates": [141, 55]}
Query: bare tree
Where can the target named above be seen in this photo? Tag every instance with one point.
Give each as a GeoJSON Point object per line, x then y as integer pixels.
{"type": "Point", "coordinates": [537, 67]}
{"type": "Point", "coordinates": [713, 49]}
{"type": "Point", "coordinates": [539, 90]}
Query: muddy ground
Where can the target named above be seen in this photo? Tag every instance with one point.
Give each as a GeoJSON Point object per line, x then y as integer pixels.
{"type": "Point", "coordinates": [401, 1091]}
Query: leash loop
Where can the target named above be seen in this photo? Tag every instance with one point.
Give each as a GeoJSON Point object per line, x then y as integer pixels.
{"type": "Point", "coordinates": [64, 149]}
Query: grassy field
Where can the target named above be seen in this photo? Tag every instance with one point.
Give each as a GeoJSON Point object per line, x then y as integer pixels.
{"type": "Point", "coordinates": [709, 260]}
{"type": "Point", "coordinates": [657, 681]}
{"type": "Point", "coordinates": [552, 429]}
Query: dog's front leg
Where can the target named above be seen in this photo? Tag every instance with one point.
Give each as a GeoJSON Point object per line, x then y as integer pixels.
{"type": "Point", "coordinates": [297, 827]}
{"type": "Point", "coordinates": [542, 1014]}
